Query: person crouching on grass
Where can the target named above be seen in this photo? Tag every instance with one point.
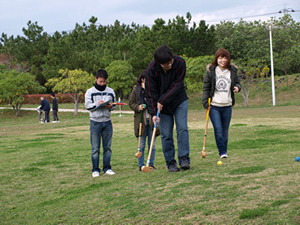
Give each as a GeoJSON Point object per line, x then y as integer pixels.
{"type": "Point", "coordinates": [98, 101]}
{"type": "Point", "coordinates": [220, 83]}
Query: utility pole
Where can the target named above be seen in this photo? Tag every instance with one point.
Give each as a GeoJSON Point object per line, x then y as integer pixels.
{"type": "Point", "coordinates": [286, 10]}
{"type": "Point", "coordinates": [272, 66]}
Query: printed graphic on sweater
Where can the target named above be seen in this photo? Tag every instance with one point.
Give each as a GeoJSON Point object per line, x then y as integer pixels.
{"type": "Point", "coordinates": [222, 83]}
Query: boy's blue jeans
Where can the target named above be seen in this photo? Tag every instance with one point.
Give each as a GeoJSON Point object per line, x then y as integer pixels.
{"type": "Point", "coordinates": [148, 132]}
{"type": "Point", "coordinates": [166, 125]}
{"type": "Point", "coordinates": [220, 118]}
{"type": "Point", "coordinates": [98, 131]}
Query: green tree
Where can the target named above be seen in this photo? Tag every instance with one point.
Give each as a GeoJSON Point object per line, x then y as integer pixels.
{"type": "Point", "coordinates": [14, 85]}
{"type": "Point", "coordinates": [120, 77]}
{"type": "Point", "coordinates": [286, 39]}
{"type": "Point", "coordinates": [195, 72]}
{"type": "Point", "coordinates": [72, 82]}
{"type": "Point", "coordinates": [244, 40]}
{"type": "Point", "coordinates": [29, 51]}
{"type": "Point", "coordinates": [248, 70]}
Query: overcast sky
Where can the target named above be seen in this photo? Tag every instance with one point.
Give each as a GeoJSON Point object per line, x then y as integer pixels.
{"type": "Point", "coordinates": [62, 15]}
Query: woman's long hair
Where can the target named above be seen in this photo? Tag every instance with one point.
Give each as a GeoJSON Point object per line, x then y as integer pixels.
{"type": "Point", "coordinates": [140, 77]}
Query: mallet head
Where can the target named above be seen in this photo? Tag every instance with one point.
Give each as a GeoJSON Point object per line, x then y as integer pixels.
{"type": "Point", "coordinates": [147, 169]}
{"type": "Point", "coordinates": [203, 154]}
{"type": "Point", "coordinates": [138, 154]}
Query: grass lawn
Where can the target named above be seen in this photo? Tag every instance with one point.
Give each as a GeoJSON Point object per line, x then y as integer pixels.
{"type": "Point", "coordinates": [45, 173]}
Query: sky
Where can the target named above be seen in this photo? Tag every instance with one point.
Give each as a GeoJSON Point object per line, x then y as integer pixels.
{"type": "Point", "coordinates": [62, 15]}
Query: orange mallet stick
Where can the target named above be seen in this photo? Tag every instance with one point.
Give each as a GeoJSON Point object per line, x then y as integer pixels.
{"type": "Point", "coordinates": [203, 154]}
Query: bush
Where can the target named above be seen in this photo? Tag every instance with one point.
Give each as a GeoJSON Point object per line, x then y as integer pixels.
{"type": "Point", "coordinates": [61, 98]}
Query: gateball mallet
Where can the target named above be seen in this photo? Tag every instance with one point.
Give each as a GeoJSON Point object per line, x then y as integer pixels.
{"type": "Point", "coordinates": [203, 154]}
{"type": "Point", "coordinates": [139, 154]}
{"type": "Point", "coordinates": [148, 168]}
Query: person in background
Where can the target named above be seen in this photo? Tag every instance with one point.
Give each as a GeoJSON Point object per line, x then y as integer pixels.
{"type": "Point", "coordinates": [137, 104]}
{"type": "Point", "coordinates": [220, 83]}
{"type": "Point", "coordinates": [98, 101]}
{"type": "Point", "coordinates": [54, 108]}
{"type": "Point", "coordinates": [45, 106]}
{"type": "Point", "coordinates": [165, 91]}
{"type": "Point", "coordinates": [41, 120]}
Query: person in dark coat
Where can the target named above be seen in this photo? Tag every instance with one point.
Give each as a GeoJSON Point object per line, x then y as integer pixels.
{"type": "Point", "coordinates": [45, 106]}
{"type": "Point", "coordinates": [165, 91]}
{"type": "Point", "coordinates": [137, 104]}
{"type": "Point", "coordinates": [220, 83]}
{"type": "Point", "coordinates": [54, 108]}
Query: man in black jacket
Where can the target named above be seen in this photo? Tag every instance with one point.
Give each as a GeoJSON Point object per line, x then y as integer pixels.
{"type": "Point", "coordinates": [46, 107]}
{"type": "Point", "coordinates": [54, 108]}
{"type": "Point", "coordinates": [165, 91]}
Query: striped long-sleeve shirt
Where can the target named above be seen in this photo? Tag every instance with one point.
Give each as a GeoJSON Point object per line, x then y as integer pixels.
{"type": "Point", "coordinates": [92, 97]}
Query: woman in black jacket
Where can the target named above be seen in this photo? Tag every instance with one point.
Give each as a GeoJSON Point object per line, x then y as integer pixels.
{"type": "Point", "coordinates": [220, 83]}
{"type": "Point", "coordinates": [137, 104]}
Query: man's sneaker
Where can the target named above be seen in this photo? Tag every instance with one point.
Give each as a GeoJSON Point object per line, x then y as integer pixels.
{"type": "Point", "coordinates": [223, 156]}
{"type": "Point", "coordinates": [95, 174]}
{"type": "Point", "coordinates": [110, 172]}
{"type": "Point", "coordinates": [184, 164]}
{"type": "Point", "coordinates": [154, 168]}
{"type": "Point", "coordinates": [53, 121]}
{"type": "Point", "coordinates": [173, 167]}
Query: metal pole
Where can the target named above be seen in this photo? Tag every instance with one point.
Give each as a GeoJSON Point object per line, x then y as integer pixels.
{"type": "Point", "coordinates": [120, 108]}
{"type": "Point", "coordinates": [272, 67]}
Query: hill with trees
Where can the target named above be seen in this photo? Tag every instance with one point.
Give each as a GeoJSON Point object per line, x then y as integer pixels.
{"type": "Point", "coordinates": [125, 50]}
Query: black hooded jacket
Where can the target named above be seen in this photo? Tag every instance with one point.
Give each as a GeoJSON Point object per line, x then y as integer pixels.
{"type": "Point", "coordinates": [209, 83]}
{"type": "Point", "coordinates": [166, 88]}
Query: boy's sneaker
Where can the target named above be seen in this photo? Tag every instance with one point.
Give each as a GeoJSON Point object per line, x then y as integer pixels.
{"type": "Point", "coordinates": [154, 168]}
{"type": "Point", "coordinates": [185, 165]}
{"type": "Point", "coordinates": [95, 174]}
{"type": "Point", "coordinates": [223, 156]}
{"type": "Point", "coordinates": [110, 172]}
{"type": "Point", "coordinates": [173, 167]}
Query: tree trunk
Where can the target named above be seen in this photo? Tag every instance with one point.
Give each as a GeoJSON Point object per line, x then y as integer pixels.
{"type": "Point", "coordinates": [17, 108]}
{"type": "Point", "coordinates": [245, 94]}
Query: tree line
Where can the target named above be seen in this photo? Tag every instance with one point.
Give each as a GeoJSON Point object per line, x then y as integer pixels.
{"type": "Point", "coordinates": [126, 50]}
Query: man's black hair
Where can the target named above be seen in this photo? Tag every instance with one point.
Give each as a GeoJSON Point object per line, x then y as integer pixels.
{"type": "Point", "coordinates": [52, 94]}
{"type": "Point", "coordinates": [163, 54]}
{"type": "Point", "coordinates": [101, 73]}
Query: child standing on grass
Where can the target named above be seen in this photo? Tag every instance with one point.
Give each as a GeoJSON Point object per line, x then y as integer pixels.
{"type": "Point", "coordinates": [100, 121]}
{"type": "Point", "coordinates": [136, 103]}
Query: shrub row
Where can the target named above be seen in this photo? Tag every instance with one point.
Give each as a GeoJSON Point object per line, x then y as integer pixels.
{"type": "Point", "coordinates": [61, 98]}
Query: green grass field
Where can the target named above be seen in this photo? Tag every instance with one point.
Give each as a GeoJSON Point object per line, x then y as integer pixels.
{"type": "Point", "coordinates": [45, 173]}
